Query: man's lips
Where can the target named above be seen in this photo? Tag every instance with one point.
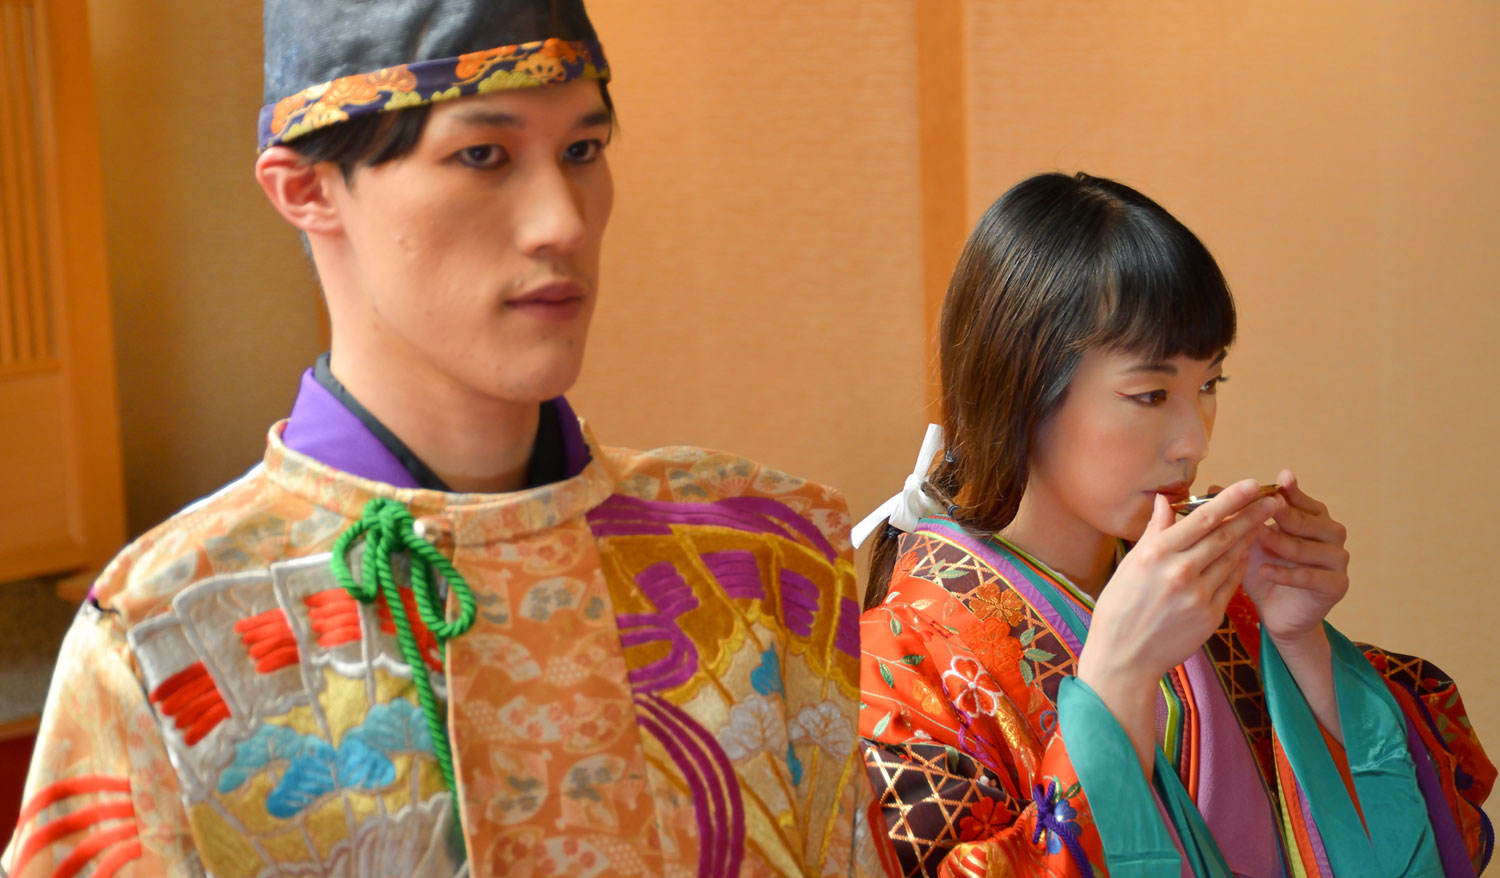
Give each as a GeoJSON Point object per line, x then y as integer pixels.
{"type": "Point", "coordinates": [555, 300]}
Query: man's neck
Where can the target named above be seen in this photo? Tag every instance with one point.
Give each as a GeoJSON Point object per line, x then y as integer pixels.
{"type": "Point", "coordinates": [473, 443]}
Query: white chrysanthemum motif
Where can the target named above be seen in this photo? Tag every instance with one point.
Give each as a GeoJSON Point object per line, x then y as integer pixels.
{"type": "Point", "coordinates": [756, 725]}
{"type": "Point", "coordinates": [826, 727]}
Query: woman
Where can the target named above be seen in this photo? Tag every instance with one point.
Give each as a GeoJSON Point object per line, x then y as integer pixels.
{"type": "Point", "coordinates": [1038, 701]}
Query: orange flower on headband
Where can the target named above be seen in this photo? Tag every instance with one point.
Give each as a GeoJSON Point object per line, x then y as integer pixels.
{"type": "Point", "coordinates": [393, 79]}
{"type": "Point", "coordinates": [324, 112]}
{"type": "Point", "coordinates": [285, 109]}
{"type": "Point", "coordinates": [346, 90]}
{"type": "Point", "coordinates": [561, 50]}
{"type": "Point", "coordinates": [543, 68]}
{"type": "Point", "coordinates": [475, 63]}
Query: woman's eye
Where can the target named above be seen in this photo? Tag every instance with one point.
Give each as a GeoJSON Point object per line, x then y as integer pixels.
{"type": "Point", "coordinates": [1212, 386]}
{"type": "Point", "coordinates": [584, 151]}
{"type": "Point", "coordinates": [1150, 397]}
{"type": "Point", "coordinates": [483, 157]}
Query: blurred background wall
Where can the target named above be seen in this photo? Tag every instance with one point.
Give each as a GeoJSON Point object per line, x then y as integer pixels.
{"type": "Point", "coordinates": [794, 181]}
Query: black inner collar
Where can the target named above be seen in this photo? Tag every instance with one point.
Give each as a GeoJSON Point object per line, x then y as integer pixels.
{"type": "Point", "coordinates": [547, 465]}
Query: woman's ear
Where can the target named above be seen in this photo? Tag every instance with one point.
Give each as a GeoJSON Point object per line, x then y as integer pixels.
{"type": "Point", "coordinates": [299, 190]}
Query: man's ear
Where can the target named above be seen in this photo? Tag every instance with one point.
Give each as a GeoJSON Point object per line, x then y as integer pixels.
{"type": "Point", "coordinates": [299, 190]}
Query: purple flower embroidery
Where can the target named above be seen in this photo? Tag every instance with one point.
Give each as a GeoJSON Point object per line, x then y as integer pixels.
{"type": "Point", "coordinates": [1056, 820]}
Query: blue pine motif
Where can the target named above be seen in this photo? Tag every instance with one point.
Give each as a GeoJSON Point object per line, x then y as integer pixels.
{"type": "Point", "coordinates": [362, 768]}
{"type": "Point", "coordinates": [397, 727]}
{"type": "Point", "coordinates": [269, 744]}
{"type": "Point", "coordinates": [767, 678]}
{"type": "Point", "coordinates": [314, 768]}
{"type": "Point", "coordinates": [307, 779]}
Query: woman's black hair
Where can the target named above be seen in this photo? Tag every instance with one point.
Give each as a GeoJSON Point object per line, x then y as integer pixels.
{"type": "Point", "coordinates": [1059, 265]}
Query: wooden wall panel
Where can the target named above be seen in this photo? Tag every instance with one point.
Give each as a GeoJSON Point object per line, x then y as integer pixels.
{"type": "Point", "coordinates": [1338, 158]}
{"type": "Point", "coordinates": [36, 530]}
{"type": "Point", "coordinates": [216, 307]}
{"type": "Point", "coordinates": [762, 278]}
{"type": "Point", "coordinates": [59, 446]}
{"type": "Point", "coordinates": [25, 288]}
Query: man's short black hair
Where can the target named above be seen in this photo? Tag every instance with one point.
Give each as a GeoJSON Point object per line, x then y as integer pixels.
{"type": "Point", "coordinates": [373, 140]}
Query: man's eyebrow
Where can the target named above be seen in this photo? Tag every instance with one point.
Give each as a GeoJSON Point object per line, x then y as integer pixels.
{"type": "Point", "coordinates": [595, 119]}
{"type": "Point", "coordinates": [1168, 368]}
{"type": "Point", "coordinates": [591, 119]}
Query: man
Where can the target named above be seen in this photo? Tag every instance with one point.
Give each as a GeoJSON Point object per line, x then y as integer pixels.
{"type": "Point", "coordinates": [439, 629]}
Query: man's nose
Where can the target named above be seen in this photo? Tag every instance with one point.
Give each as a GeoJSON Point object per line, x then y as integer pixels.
{"type": "Point", "coordinates": [550, 217]}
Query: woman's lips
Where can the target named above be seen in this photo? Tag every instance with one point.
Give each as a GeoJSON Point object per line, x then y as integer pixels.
{"type": "Point", "coordinates": [1175, 492]}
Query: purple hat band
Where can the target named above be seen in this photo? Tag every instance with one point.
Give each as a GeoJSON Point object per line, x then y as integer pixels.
{"type": "Point", "coordinates": [526, 65]}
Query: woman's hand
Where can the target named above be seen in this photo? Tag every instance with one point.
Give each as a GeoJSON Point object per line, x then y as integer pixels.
{"type": "Point", "coordinates": [1166, 598]}
{"type": "Point", "coordinates": [1298, 568]}
{"type": "Point", "coordinates": [1168, 594]}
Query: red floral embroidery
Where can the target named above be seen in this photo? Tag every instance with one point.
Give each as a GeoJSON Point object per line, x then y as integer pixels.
{"type": "Point", "coordinates": [999, 652]}
{"type": "Point", "coordinates": [970, 688]}
{"type": "Point", "coordinates": [985, 820]}
{"type": "Point", "coordinates": [989, 602]}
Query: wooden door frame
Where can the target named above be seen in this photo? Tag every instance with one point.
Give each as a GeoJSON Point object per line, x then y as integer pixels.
{"type": "Point", "coordinates": [75, 255]}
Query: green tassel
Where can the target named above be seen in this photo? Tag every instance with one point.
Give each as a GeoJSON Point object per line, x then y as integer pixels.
{"type": "Point", "coordinates": [388, 528]}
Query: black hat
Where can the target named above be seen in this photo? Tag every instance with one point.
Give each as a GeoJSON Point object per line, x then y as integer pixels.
{"type": "Point", "coordinates": [328, 61]}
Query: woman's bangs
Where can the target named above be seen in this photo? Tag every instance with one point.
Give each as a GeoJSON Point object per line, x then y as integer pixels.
{"type": "Point", "coordinates": [1163, 297]}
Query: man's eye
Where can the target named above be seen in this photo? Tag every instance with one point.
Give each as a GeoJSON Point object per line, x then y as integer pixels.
{"type": "Point", "coordinates": [482, 157]}
{"type": "Point", "coordinates": [583, 151]}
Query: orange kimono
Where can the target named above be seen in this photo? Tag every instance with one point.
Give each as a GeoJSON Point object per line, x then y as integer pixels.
{"type": "Point", "coordinates": [989, 758]}
{"type": "Point", "coordinates": [660, 679]}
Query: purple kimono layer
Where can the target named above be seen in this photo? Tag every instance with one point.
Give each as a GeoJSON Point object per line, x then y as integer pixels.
{"type": "Point", "coordinates": [324, 429]}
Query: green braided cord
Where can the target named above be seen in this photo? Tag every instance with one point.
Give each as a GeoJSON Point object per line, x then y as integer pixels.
{"type": "Point", "coordinates": [387, 528]}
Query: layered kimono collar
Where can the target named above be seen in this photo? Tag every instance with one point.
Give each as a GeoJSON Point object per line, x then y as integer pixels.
{"type": "Point", "coordinates": [329, 425]}
{"type": "Point", "coordinates": [331, 452]}
{"type": "Point", "coordinates": [470, 520]}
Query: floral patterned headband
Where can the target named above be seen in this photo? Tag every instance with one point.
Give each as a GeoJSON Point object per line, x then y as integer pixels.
{"type": "Point", "coordinates": [525, 65]}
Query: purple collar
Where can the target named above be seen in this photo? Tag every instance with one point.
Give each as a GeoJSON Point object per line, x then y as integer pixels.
{"type": "Point", "coordinates": [325, 429]}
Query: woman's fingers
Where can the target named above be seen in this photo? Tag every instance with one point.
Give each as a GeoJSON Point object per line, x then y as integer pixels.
{"type": "Point", "coordinates": [1305, 516]}
{"type": "Point", "coordinates": [1207, 518]}
{"type": "Point", "coordinates": [1330, 582]}
{"type": "Point", "coordinates": [1162, 516]}
{"type": "Point", "coordinates": [1220, 570]}
{"type": "Point", "coordinates": [1296, 497]}
{"type": "Point", "coordinates": [1303, 551]}
{"type": "Point", "coordinates": [1227, 588]}
{"type": "Point", "coordinates": [1319, 527]}
{"type": "Point", "coordinates": [1249, 522]}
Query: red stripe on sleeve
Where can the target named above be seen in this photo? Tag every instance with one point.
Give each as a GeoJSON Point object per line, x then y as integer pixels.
{"type": "Point", "coordinates": [68, 824]}
{"type": "Point", "coordinates": [116, 858]}
{"type": "Point", "coordinates": [73, 786]}
{"type": "Point", "coordinates": [90, 848]}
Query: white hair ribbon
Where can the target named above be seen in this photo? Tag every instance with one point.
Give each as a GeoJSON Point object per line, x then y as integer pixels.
{"type": "Point", "coordinates": [912, 503]}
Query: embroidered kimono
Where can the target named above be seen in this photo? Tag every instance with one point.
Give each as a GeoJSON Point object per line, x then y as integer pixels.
{"type": "Point", "coordinates": [989, 758]}
{"type": "Point", "coordinates": [659, 680]}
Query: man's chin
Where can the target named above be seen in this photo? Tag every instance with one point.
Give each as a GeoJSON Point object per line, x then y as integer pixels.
{"type": "Point", "coordinates": [531, 385]}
